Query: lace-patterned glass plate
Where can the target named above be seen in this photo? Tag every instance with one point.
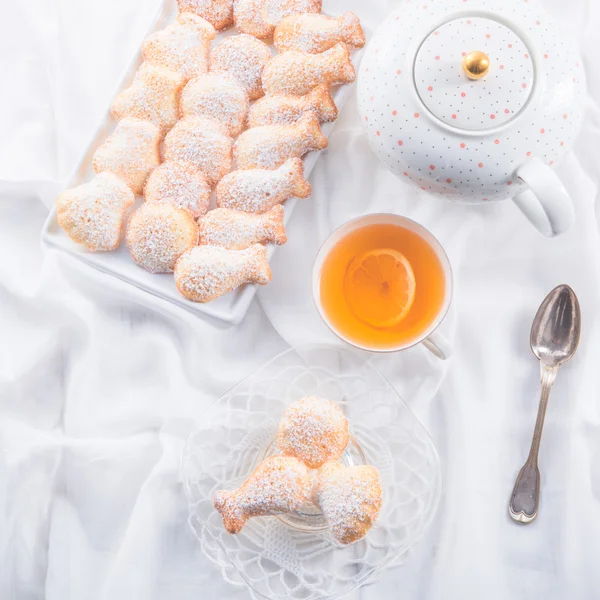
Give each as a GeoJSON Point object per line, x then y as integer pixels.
{"type": "Point", "coordinates": [294, 557]}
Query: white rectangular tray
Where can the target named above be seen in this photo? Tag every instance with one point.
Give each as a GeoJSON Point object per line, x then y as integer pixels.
{"type": "Point", "coordinates": [230, 308]}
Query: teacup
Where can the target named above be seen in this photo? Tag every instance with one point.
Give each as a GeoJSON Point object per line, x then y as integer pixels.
{"type": "Point", "coordinates": [383, 283]}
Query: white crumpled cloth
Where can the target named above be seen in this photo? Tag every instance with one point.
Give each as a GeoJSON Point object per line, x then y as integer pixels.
{"type": "Point", "coordinates": [99, 386]}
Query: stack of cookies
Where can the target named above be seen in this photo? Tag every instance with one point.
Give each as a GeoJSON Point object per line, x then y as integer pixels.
{"type": "Point", "coordinates": [312, 436]}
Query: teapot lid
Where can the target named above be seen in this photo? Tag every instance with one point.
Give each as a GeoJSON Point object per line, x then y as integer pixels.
{"type": "Point", "coordinates": [474, 73]}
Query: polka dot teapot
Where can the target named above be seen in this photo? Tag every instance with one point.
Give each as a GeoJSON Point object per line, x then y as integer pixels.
{"type": "Point", "coordinates": [476, 100]}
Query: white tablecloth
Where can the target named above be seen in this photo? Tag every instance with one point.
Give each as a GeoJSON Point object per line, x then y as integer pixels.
{"type": "Point", "coordinates": [99, 389]}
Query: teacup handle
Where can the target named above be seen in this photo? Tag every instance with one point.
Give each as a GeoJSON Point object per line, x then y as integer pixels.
{"type": "Point", "coordinates": [438, 345]}
{"type": "Point", "coordinates": [546, 203]}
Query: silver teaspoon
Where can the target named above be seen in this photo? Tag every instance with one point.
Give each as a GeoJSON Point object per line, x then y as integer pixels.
{"type": "Point", "coordinates": [554, 338]}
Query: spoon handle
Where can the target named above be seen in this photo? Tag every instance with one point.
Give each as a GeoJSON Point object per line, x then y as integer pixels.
{"type": "Point", "coordinates": [525, 497]}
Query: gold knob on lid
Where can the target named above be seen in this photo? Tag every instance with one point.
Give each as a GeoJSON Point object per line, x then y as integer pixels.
{"type": "Point", "coordinates": [476, 64]}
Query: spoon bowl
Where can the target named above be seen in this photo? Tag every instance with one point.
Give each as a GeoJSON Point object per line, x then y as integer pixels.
{"type": "Point", "coordinates": [556, 329]}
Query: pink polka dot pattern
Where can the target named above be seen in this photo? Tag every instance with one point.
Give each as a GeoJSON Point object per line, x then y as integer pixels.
{"type": "Point", "coordinates": [446, 91]}
{"type": "Point", "coordinates": [475, 133]}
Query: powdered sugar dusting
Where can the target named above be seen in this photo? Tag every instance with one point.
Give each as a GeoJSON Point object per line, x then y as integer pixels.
{"type": "Point", "coordinates": [259, 17]}
{"type": "Point", "coordinates": [296, 73]}
{"type": "Point", "coordinates": [207, 272]}
{"type": "Point", "coordinates": [270, 146]}
{"type": "Point", "coordinates": [278, 110]}
{"type": "Point", "coordinates": [202, 142]}
{"type": "Point", "coordinates": [314, 430]}
{"type": "Point", "coordinates": [158, 234]}
{"type": "Point", "coordinates": [218, 97]}
{"type": "Point", "coordinates": [280, 484]}
{"type": "Point", "coordinates": [313, 434]}
{"type": "Point", "coordinates": [93, 214]}
{"type": "Point", "coordinates": [131, 152]}
{"type": "Point", "coordinates": [180, 184]}
{"type": "Point", "coordinates": [349, 498]}
{"type": "Point", "coordinates": [237, 230]}
{"type": "Point", "coordinates": [316, 33]}
{"type": "Point", "coordinates": [258, 190]}
{"type": "Point", "coordinates": [217, 12]}
{"type": "Point", "coordinates": [153, 96]}
{"type": "Point", "coordinates": [244, 58]}
{"type": "Point", "coordinates": [183, 46]}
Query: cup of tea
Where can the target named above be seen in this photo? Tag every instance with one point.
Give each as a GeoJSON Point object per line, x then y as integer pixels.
{"type": "Point", "coordinates": [383, 283]}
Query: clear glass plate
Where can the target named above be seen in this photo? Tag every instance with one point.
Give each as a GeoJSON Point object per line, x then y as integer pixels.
{"type": "Point", "coordinates": [294, 557]}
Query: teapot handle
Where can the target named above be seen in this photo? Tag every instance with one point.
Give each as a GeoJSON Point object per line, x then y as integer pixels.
{"type": "Point", "coordinates": [546, 203]}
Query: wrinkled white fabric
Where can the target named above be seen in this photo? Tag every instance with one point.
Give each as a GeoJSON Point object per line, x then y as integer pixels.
{"type": "Point", "coordinates": [100, 385]}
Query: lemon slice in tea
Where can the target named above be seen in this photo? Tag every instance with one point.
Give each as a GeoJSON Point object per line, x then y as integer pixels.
{"type": "Point", "coordinates": [380, 287]}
